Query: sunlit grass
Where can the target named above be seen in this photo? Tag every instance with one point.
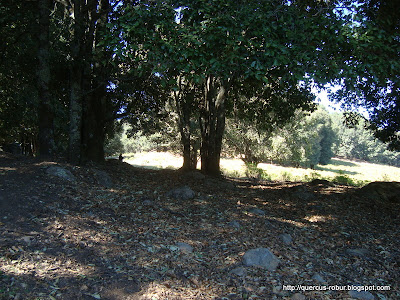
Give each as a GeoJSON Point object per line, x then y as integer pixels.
{"type": "Point", "coordinates": [343, 171]}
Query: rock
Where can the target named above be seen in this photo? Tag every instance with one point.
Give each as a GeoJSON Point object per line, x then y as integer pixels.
{"type": "Point", "coordinates": [146, 201]}
{"type": "Point", "coordinates": [363, 295]}
{"type": "Point", "coordinates": [317, 277]}
{"type": "Point", "coordinates": [239, 271]}
{"type": "Point", "coordinates": [301, 192]}
{"type": "Point", "coordinates": [261, 258]}
{"type": "Point", "coordinates": [257, 211]}
{"type": "Point", "coordinates": [61, 173]}
{"type": "Point", "coordinates": [195, 175]}
{"type": "Point", "coordinates": [103, 178]}
{"type": "Point", "coordinates": [380, 190]}
{"type": "Point", "coordinates": [298, 296]}
{"type": "Point", "coordinates": [360, 252]}
{"type": "Point", "coordinates": [234, 224]}
{"type": "Point", "coordinates": [181, 193]}
{"type": "Point", "coordinates": [286, 238]}
{"type": "Point", "coordinates": [184, 247]}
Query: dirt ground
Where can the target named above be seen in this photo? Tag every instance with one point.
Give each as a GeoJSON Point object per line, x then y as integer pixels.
{"type": "Point", "coordinates": [63, 239]}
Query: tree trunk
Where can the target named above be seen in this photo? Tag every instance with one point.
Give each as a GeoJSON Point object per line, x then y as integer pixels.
{"type": "Point", "coordinates": [46, 145]}
{"type": "Point", "coordinates": [212, 125]}
{"type": "Point", "coordinates": [95, 105]}
{"type": "Point", "coordinates": [184, 98]}
{"type": "Point", "coordinates": [89, 78]}
{"type": "Point", "coordinates": [76, 87]}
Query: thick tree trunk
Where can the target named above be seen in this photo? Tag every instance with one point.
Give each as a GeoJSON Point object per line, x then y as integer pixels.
{"type": "Point", "coordinates": [93, 133]}
{"type": "Point", "coordinates": [89, 77]}
{"type": "Point", "coordinates": [183, 101]}
{"type": "Point", "coordinates": [95, 105]}
{"type": "Point", "coordinates": [46, 145]}
{"type": "Point", "coordinates": [76, 87]}
{"type": "Point", "coordinates": [212, 125]}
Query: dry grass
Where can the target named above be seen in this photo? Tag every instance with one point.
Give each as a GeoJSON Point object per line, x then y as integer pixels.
{"type": "Point", "coordinates": [339, 169]}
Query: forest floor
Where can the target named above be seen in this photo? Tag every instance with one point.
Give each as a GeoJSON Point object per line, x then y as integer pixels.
{"type": "Point", "coordinates": [83, 238]}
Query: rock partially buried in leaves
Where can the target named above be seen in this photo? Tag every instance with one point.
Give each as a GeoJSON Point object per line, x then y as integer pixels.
{"type": "Point", "coordinates": [184, 247]}
{"type": "Point", "coordinates": [360, 252]}
{"type": "Point", "coordinates": [257, 211]}
{"type": "Point", "coordinates": [261, 258]}
{"type": "Point", "coordinates": [286, 238]}
{"type": "Point", "coordinates": [61, 173]}
{"type": "Point", "coordinates": [363, 295]}
{"type": "Point", "coordinates": [239, 271]}
{"type": "Point", "coordinates": [380, 190]}
{"type": "Point", "coordinates": [181, 193]}
{"type": "Point", "coordinates": [103, 178]}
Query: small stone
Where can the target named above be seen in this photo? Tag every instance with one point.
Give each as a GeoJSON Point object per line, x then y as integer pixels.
{"type": "Point", "coordinates": [257, 211]}
{"type": "Point", "coordinates": [286, 238]}
{"type": "Point", "coordinates": [181, 193]}
{"type": "Point", "coordinates": [184, 247]}
{"type": "Point", "coordinates": [234, 224]}
{"type": "Point", "coordinates": [261, 258]}
{"type": "Point", "coordinates": [103, 178]}
{"type": "Point", "coordinates": [239, 271]}
{"type": "Point", "coordinates": [298, 296]}
{"type": "Point", "coordinates": [363, 295]}
{"type": "Point", "coordinates": [360, 252]}
{"type": "Point", "coordinates": [27, 239]}
{"type": "Point", "coordinates": [61, 173]}
{"type": "Point", "coordinates": [317, 277]}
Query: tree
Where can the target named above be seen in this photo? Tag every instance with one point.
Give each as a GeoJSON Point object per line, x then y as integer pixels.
{"type": "Point", "coordinates": [18, 97]}
{"type": "Point", "coordinates": [46, 145]}
{"type": "Point", "coordinates": [356, 141]}
{"type": "Point", "coordinates": [372, 78]}
{"type": "Point", "coordinates": [228, 46]}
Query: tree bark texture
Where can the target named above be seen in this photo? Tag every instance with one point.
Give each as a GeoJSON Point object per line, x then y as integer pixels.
{"type": "Point", "coordinates": [212, 124]}
{"type": "Point", "coordinates": [46, 143]}
{"type": "Point", "coordinates": [89, 78]}
{"type": "Point", "coordinates": [76, 85]}
{"type": "Point", "coordinates": [184, 99]}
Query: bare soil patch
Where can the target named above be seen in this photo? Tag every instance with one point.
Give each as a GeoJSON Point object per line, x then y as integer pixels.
{"type": "Point", "coordinates": [61, 239]}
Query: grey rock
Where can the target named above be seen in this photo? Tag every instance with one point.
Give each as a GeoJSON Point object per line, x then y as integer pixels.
{"type": "Point", "coordinates": [103, 178]}
{"type": "Point", "coordinates": [257, 211]}
{"type": "Point", "coordinates": [286, 238]}
{"type": "Point", "coordinates": [234, 224]}
{"type": "Point", "coordinates": [360, 252]}
{"type": "Point", "coordinates": [239, 271]}
{"type": "Point", "coordinates": [317, 277]}
{"type": "Point", "coordinates": [60, 173]}
{"type": "Point", "coordinates": [195, 175]}
{"type": "Point", "coordinates": [301, 192]}
{"type": "Point", "coordinates": [363, 295]}
{"type": "Point", "coordinates": [298, 296]}
{"type": "Point", "coordinates": [184, 247]}
{"type": "Point", "coordinates": [261, 258]}
{"type": "Point", "coordinates": [181, 193]}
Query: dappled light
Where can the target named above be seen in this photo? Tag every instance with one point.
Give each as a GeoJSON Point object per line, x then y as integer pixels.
{"type": "Point", "coordinates": [168, 234]}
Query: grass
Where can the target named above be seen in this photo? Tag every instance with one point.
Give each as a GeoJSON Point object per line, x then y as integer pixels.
{"type": "Point", "coordinates": [339, 170]}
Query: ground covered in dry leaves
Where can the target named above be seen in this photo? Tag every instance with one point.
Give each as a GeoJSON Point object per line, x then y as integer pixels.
{"type": "Point", "coordinates": [80, 239]}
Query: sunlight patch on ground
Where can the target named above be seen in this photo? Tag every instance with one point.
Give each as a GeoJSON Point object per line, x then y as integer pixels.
{"type": "Point", "coordinates": [318, 218]}
{"type": "Point", "coordinates": [360, 172]}
{"type": "Point", "coordinates": [155, 160]}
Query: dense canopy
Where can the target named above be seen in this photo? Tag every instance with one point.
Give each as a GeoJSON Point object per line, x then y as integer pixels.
{"type": "Point", "coordinates": [70, 69]}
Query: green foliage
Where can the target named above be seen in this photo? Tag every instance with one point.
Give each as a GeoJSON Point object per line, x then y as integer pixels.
{"type": "Point", "coordinates": [305, 141]}
{"type": "Point", "coordinates": [357, 142]}
{"type": "Point", "coordinates": [344, 179]}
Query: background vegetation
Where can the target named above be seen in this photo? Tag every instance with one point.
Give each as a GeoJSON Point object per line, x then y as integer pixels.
{"type": "Point", "coordinates": [202, 77]}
